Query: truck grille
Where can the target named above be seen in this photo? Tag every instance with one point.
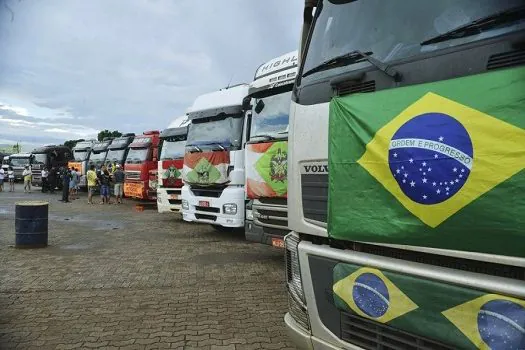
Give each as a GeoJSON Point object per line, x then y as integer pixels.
{"type": "Point", "coordinates": [132, 175]}
{"type": "Point", "coordinates": [273, 217]}
{"type": "Point", "coordinates": [213, 192]}
{"type": "Point", "coordinates": [314, 188]}
{"type": "Point", "coordinates": [373, 336]}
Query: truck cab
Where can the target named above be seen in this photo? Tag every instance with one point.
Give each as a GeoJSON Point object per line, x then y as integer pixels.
{"type": "Point", "coordinates": [98, 154]}
{"type": "Point", "coordinates": [81, 153]}
{"type": "Point", "coordinates": [47, 157]}
{"type": "Point", "coordinates": [396, 104]}
{"type": "Point", "coordinates": [118, 149]}
{"type": "Point", "coordinates": [171, 162]}
{"type": "Point", "coordinates": [213, 174]}
{"type": "Point", "coordinates": [141, 167]}
{"type": "Point", "coordinates": [267, 151]}
{"type": "Point", "coordinates": [18, 162]}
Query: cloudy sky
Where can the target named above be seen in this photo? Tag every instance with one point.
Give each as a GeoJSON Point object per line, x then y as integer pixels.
{"type": "Point", "coordinates": [71, 68]}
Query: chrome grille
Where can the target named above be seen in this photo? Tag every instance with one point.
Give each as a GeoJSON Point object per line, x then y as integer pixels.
{"type": "Point", "coordinates": [271, 216]}
{"type": "Point", "coordinates": [132, 175]}
{"type": "Point", "coordinates": [373, 336]}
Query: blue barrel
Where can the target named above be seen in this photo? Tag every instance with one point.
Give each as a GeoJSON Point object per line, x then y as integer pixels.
{"type": "Point", "coordinates": [31, 224]}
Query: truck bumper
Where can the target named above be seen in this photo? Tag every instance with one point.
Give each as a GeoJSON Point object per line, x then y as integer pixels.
{"type": "Point", "coordinates": [169, 200]}
{"type": "Point", "coordinates": [255, 233]}
{"type": "Point", "coordinates": [214, 213]}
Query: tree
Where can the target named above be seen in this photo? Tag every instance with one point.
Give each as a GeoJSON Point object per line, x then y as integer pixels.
{"type": "Point", "coordinates": [72, 143]}
{"type": "Point", "coordinates": [106, 133]}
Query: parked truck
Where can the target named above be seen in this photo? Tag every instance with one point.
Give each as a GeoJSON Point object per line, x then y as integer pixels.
{"type": "Point", "coordinates": [405, 177]}
{"type": "Point", "coordinates": [18, 162]}
{"type": "Point", "coordinates": [213, 173]}
{"type": "Point", "coordinates": [141, 167]}
{"type": "Point", "coordinates": [5, 162]}
{"type": "Point", "coordinates": [98, 154]}
{"type": "Point", "coordinates": [81, 153]}
{"type": "Point", "coordinates": [267, 151]}
{"type": "Point", "coordinates": [171, 161]}
{"type": "Point", "coordinates": [49, 156]}
{"type": "Point", "coordinates": [118, 149]}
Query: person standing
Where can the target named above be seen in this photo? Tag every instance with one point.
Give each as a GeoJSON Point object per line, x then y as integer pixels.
{"type": "Point", "coordinates": [2, 176]}
{"type": "Point", "coordinates": [104, 180]}
{"type": "Point", "coordinates": [27, 179]}
{"type": "Point", "coordinates": [45, 184]}
{"type": "Point", "coordinates": [72, 184]}
{"type": "Point", "coordinates": [118, 177]}
{"type": "Point", "coordinates": [91, 176]}
{"type": "Point", "coordinates": [11, 178]}
{"type": "Point", "coordinates": [66, 177]}
{"type": "Point", "coordinates": [52, 179]}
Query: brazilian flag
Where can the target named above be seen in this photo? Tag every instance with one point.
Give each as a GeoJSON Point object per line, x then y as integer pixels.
{"type": "Point", "coordinates": [437, 165]}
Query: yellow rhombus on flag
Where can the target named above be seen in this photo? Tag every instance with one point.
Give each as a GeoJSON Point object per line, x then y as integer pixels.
{"type": "Point", "coordinates": [497, 147]}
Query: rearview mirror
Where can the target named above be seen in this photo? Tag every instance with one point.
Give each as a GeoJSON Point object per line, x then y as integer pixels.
{"type": "Point", "coordinates": [259, 106]}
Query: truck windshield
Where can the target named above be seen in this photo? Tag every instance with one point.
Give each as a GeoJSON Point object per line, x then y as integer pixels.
{"type": "Point", "coordinates": [116, 155]}
{"type": "Point", "coordinates": [223, 131]}
{"type": "Point", "coordinates": [394, 30]}
{"type": "Point", "coordinates": [272, 120]}
{"type": "Point", "coordinates": [172, 150]}
{"type": "Point", "coordinates": [40, 158]}
{"type": "Point", "coordinates": [97, 158]}
{"type": "Point", "coordinates": [18, 162]}
{"type": "Point", "coordinates": [137, 155]}
{"type": "Point", "coordinates": [80, 156]}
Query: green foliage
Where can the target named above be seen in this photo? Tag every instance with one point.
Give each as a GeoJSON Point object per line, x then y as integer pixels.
{"type": "Point", "coordinates": [72, 143]}
{"type": "Point", "coordinates": [106, 133]}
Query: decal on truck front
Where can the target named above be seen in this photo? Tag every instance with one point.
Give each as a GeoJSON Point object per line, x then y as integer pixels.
{"type": "Point", "coordinates": [267, 169]}
{"type": "Point", "coordinates": [171, 173]}
{"type": "Point", "coordinates": [206, 168]}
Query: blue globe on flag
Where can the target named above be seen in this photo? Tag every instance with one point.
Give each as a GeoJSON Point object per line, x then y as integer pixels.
{"type": "Point", "coordinates": [431, 157]}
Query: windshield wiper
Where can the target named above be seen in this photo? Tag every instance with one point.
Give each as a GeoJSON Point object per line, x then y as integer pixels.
{"type": "Point", "coordinates": [220, 146]}
{"type": "Point", "coordinates": [265, 136]}
{"type": "Point", "coordinates": [197, 148]}
{"type": "Point", "coordinates": [354, 57]}
{"type": "Point", "coordinates": [479, 25]}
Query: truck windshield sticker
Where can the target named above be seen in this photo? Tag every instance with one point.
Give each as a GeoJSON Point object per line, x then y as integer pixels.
{"type": "Point", "coordinates": [442, 160]}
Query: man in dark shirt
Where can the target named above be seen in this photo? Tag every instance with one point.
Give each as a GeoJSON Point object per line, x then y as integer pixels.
{"type": "Point", "coordinates": [66, 177]}
{"type": "Point", "coordinates": [118, 178]}
{"type": "Point", "coordinates": [104, 180]}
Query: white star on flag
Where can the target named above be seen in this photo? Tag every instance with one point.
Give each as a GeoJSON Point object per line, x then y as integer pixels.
{"type": "Point", "coordinates": [404, 181]}
{"type": "Point", "coordinates": [462, 170]}
{"type": "Point", "coordinates": [433, 184]}
{"type": "Point", "coordinates": [429, 169]}
{"type": "Point", "coordinates": [424, 197]}
{"type": "Point", "coordinates": [438, 191]}
{"type": "Point", "coordinates": [411, 160]}
{"type": "Point", "coordinates": [424, 164]}
{"type": "Point", "coordinates": [436, 156]}
{"type": "Point", "coordinates": [398, 171]}
{"type": "Point", "coordinates": [424, 180]}
{"type": "Point", "coordinates": [412, 184]}
{"type": "Point", "coordinates": [405, 175]}
{"type": "Point", "coordinates": [456, 180]}
{"type": "Point", "coordinates": [447, 188]}
{"type": "Point", "coordinates": [395, 155]}
{"type": "Point", "coordinates": [441, 138]}
{"type": "Point", "coordinates": [455, 170]}
{"type": "Point", "coordinates": [460, 176]}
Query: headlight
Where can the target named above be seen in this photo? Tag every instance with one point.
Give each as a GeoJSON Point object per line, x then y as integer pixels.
{"type": "Point", "coordinates": [229, 208]}
{"type": "Point", "coordinates": [296, 300]}
{"type": "Point", "coordinates": [249, 215]}
{"type": "Point", "coordinates": [185, 204]}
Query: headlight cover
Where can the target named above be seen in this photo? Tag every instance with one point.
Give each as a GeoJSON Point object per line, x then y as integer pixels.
{"type": "Point", "coordinates": [185, 204]}
{"type": "Point", "coordinates": [229, 208]}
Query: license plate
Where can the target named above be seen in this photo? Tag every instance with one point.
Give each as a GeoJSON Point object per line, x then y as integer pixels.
{"type": "Point", "coordinates": [174, 196]}
{"type": "Point", "coordinates": [277, 242]}
{"type": "Point", "coordinates": [204, 204]}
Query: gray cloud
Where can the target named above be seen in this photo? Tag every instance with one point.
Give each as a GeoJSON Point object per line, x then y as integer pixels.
{"type": "Point", "coordinates": [134, 65]}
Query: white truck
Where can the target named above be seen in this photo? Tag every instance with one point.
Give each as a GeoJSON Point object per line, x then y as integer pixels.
{"type": "Point", "coordinates": [170, 165]}
{"type": "Point", "coordinates": [407, 225]}
{"type": "Point", "coordinates": [18, 162]}
{"type": "Point", "coordinates": [267, 150]}
{"type": "Point", "coordinates": [81, 155]}
{"type": "Point", "coordinates": [213, 173]}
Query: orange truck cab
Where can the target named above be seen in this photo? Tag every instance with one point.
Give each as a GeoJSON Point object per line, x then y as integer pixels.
{"type": "Point", "coordinates": [141, 167]}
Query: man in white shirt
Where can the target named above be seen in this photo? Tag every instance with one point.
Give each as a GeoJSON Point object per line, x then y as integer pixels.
{"type": "Point", "coordinates": [2, 175]}
{"type": "Point", "coordinates": [27, 179]}
{"type": "Point", "coordinates": [45, 183]}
